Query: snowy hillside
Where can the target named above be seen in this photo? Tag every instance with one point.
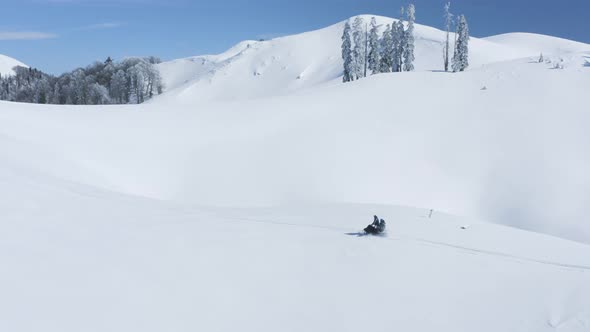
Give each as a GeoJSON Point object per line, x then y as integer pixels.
{"type": "Point", "coordinates": [76, 257]}
{"type": "Point", "coordinates": [254, 69]}
{"type": "Point", "coordinates": [535, 43]}
{"type": "Point", "coordinates": [73, 254]}
{"type": "Point", "coordinates": [233, 201]}
{"type": "Point", "coordinates": [7, 63]}
{"type": "Point", "coordinates": [514, 153]}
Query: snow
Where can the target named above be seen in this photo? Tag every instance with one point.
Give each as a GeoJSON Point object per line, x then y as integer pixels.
{"type": "Point", "coordinates": [486, 155]}
{"type": "Point", "coordinates": [79, 258]}
{"type": "Point", "coordinates": [230, 203]}
{"type": "Point", "coordinates": [535, 43]}
{"type": "Point", "coordinates": [255, 69]}
{"type": "Point", "coordinates": [7, 63]}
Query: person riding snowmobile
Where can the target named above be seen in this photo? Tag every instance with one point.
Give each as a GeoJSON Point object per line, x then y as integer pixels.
{"type": "Point", "coordinates": [377, 227]}
{"type": "Point", "coordinates": [381, 226]}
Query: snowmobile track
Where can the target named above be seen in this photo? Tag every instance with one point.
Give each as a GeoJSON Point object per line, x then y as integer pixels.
{"type": "Point", "coordinates": [580, 268]}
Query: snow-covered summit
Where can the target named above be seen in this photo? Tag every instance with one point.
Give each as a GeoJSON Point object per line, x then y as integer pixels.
{"type": "Point", "coordinates": [254, 69]}
{"type": "Point", "coordinates": [7, 64]}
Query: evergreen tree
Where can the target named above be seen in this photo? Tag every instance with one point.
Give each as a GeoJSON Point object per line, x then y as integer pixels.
{"type": "Point", "coordinates": [409, 40]}
{"type": "Point", "coordinates": [347, 54]}
{"type": "Point", "coordinates": [398, 41]}
{"type": "Point", "coordinates": [461, 57]}
{"type": "Point", "coordinates": [358, 35]}
{"type": "Point", "coordinates": [374, 47]}
{"type": "Point", "coordinates": [366, 62]}
{"type": "Point", "coordinates": [397, 32]}
{"type": "Point", "coordinates": [541, 58]}
{"type": "Point", "coordinates": [386, 51]}
{"type": "Point", "coordinates": [448, 22]}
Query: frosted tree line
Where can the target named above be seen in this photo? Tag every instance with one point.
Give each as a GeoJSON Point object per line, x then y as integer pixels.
{"type": "Point", "coordinates": [365, 51]}
{"type": "Point", "coordinates": [129, 81]}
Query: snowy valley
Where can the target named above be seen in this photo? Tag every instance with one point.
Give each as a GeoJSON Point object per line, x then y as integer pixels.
{"type": "Point", "coordinates": [231, 202]}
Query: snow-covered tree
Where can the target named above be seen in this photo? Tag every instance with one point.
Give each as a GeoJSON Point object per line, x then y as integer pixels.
{"type": "Point", "coordinates": [145, 81]}
{"type": "Point", "coordinates": [541, 58]}
{"type": "Point", "coordinates": [461, 57]}
{"type": "Point", "coordinates": [347, 54]}
{"type": "Point", "coordinates": [395, 44]}
{"type": "Point", "coordinates": [448, 22]}
{"type": "Point", "coordinates": [374, 47]}
{"type": "Point", "coordinates": [386, 51]}
{"type": "Point", "coordinates": [98, 94]}
{"type": "Point", "coordinates": [118, 87]}
{"type": "Point", "coordinates": [84, 85]}
{"type": "Point", "coordinates": [138, 83]}
{"type": "Point", "coordinates": [360, 45]}
{"type": "Point", "coordinates": [409, 40]}
{"type": "Point", "coordinates": [398, 41]}
{"type": "Point", "coordinates": [57, 93]}
{"type": "Point", "coordinates": [42, 90]}
{"type": "Point", "coordinates": [79, 85]}
{"type": "Point", "coordinates": [154, 81]}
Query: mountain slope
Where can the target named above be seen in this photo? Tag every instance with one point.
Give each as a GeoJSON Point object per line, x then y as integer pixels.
{"type": "Point", "coordinates": [7, 63]}
{"type": "Point", "coordinates": [513, 153]}
{"type": "Point", "coordinates": [74, 254]}
{"type": "Point", "coordinates": [215, 209]}
{"type": "Point", "coordinates": [254, 69]}
{"type": "Point", "coordinates": [535, 43]}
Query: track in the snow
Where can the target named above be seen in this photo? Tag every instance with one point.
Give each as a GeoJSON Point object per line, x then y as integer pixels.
{"type": "Point", "coordinates": [500, 254]}
{"type": "Point", "coordinates": [581, 268]}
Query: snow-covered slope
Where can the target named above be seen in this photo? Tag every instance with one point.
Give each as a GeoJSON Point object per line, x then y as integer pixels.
{"type": "Point", "coordinates": [7, 63]}
{"type": "Point", "coordinates": [78, 258]}
{"type": "Point", "coordinates": [214, 209]}
{"type": "Point", "coordinates": [535, 43]}
{"type": "Point", "coordinates": [514, 152]}
{"type": "Point", "coordinates": [254, 69]}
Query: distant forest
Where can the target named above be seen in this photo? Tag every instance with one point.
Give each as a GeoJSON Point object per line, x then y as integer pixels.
{"type": "Point", "coordinates": [129, 81]}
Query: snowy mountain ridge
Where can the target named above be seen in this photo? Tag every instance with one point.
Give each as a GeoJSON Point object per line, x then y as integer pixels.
{"type": "Point", "coordinates": [254, 69]}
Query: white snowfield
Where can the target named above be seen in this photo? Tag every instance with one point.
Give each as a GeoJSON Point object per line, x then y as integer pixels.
{"type": "Point", "coordinates": [233, 201]}
{"type": "Point", "coordinates": [7, 64]}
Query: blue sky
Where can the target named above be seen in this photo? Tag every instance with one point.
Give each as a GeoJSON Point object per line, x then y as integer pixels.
{"type": "Point", "coordinates": [60, 35]}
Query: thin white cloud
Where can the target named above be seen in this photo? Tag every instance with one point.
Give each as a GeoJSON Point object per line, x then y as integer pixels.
{"type": "Point", "coordinates": [100, 26]}
{"type": "Point", "coordinates": [26, 35]}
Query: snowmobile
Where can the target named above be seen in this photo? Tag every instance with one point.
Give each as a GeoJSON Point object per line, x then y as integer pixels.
{"type": "Point", "coordinates": [377, 227]}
